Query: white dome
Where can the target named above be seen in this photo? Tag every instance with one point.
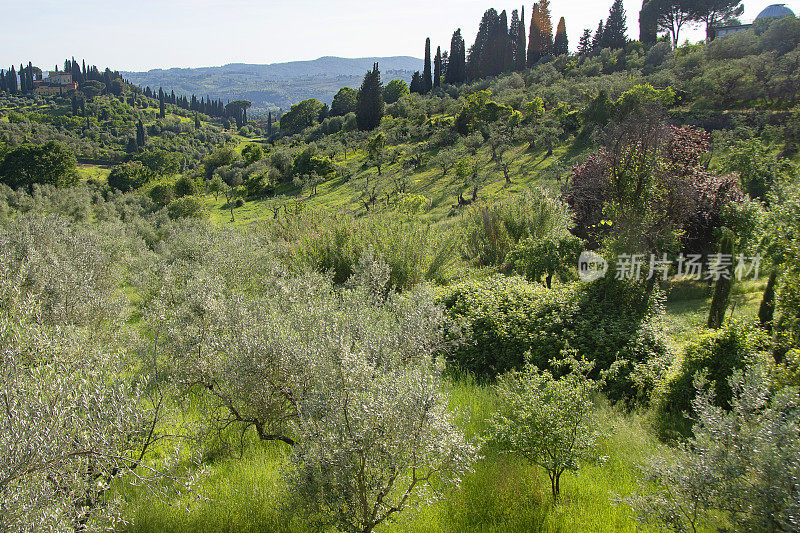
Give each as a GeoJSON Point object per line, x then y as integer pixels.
{"type": "Point", "coordinates": [775, 11]}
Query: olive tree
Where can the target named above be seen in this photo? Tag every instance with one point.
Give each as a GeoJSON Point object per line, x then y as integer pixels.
{"type": "Point", "coordinates": [741, 466]}
{"type": "Point", "coordinates": [74, 418]}
{"type": "Point", "coordinates": [377, 437]}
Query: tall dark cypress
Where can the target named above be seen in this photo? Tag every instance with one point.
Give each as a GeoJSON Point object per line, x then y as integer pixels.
{"type": "Point", "coordinates": [456, 66]}
{"type": "Point", "coordinates": [517, 37]}
{"type": "Point", "coordinates": [503, 42]}
{"type": "Point", "coordinates": [561, 41]}
{"type": "Point", "coordinates": [598, 40]}
{"type": "Point", "coordinates": [23, 86]}
{"type": "Point", "coordinates": [427, 77]}
{"type": "Point", "coordinates": [29, 77]}
{"type": "Point", "coordinates": [534, 39]}
{"type": "Point", "coordinates": [161, 106]}
{"type": "Point", "coordinates": [648, 22]}
{"type": "Point", "coordinates": [417, 85]}
{"type": "Point", "coordinates": [486, 57]}
{"type": "Point", "coordinates": [370, 107]}
{"type": "Point", "coordinates": [269, 124]}
{"type": "Point", "coordinates": [615, 32]}
{"type": "Point", "coordinates": [437, 67]}
{"type": "Point", "coordinates": [141, 138]}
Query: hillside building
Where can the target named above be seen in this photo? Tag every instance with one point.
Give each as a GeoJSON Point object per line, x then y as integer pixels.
{"type": "Point", "coordinates": [56, 84]}
{"type": "Point", "coordinates": [775, 11]}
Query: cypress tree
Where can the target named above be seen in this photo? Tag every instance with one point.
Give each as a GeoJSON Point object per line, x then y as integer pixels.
{"type": "Point", "coordinates": [427, 77]}
{"type": "Point", "coordinates": [29, 77]}
{"type": "Point", "coordinates": [456, 65]}
{"type": "Point", "coordinates": [488, 55]}
{"type": "Point", "coordinates": [437, 67]}
{"type": "Point", "coordinates": [518, 36]}
{"type": "Point", "coordinates": [417, 85]}
{"type": "Point", "coordinates": [161, 106]}
{"type": "Point", "coordinates": [648, 22]}
{"type": "Point", "coordinates": [546, 26]}
{"type": "Point", "coordinates": [196, 121]}
{"type": "Point", "coordinates": [3, 81]}
{"type": "Point", "coordinates": [535, 40]}
{"type": "Point", "coordinates": [74, 105]}
{"type": "Point", "coordinates": [13, 88]}
{"type": "Point", "coordinates": [505, 46]}
{"type": "Point", "coordinates": [141, 137]}
{"type": "Point", "coordinates": [370, 107]}
{"type": "Point", "coordinates": [615, 32]}
{"type": "Point", "coordinates": [561, 41]}
{"type": "Point", "coordinates": [269, 124]}
{"type": "Point", "coordinates": [23, 79]}
{"type": "Point", "coordinates": [597, 40]}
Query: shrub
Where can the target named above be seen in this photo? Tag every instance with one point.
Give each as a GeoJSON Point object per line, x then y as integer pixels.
{"type": "Point", "coordinates": [187, 207]}
{"type": "Point", "coordinates": [130, 176]}
{"type": "Point", "coordinates": [162, 194]}
{"type": "Point", "coordinates": [492, 230]}
{"type": "Point", "coordinates": [186, 186]}
{"type": "Point", "coordinates": [502, 321]}
{"type": "Point", "coordinates": [715, 356]}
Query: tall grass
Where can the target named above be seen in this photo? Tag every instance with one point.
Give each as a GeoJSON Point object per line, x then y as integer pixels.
{"type": "Point", "coordinates": [503, 494]}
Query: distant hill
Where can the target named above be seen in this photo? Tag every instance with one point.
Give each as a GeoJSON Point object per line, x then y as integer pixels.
{"type": "Point", "coordinates": [278, 85]}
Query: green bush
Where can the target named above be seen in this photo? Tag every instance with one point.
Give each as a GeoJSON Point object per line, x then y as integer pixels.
{"type": "Point", "coordinates": [715, 355]}
{"type": "Point", "coordinates": [186, 186]}
{"type": "Point", "coordinates": [162, 195]}
{"type": "Point", "coordinates": [187, 207]}
{"type": "Point", "coordinates": [130, 176]}
{"type": "Point", "coordinates": [502, 320]}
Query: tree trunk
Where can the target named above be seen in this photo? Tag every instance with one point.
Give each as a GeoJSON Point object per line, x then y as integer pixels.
{"type": "Point", "coordinates": [722, 291]}
{"type": "Point", "coordinates": [766, 313]}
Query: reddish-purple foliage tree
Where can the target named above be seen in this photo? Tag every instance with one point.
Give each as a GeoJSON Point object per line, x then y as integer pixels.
{"type": "Point", "coordinates": [649, 189]}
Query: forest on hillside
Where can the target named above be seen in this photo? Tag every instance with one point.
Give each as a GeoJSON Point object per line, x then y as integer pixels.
{"type": "Point", "coordinates": [536, 289]}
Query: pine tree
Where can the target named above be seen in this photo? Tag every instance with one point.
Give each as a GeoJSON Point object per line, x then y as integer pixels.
{"type": "Point", "coordinates": [437, 67]}
{"type": "Point", "coordinates": [456, 66]}
{"type": "Point", "coordinates": [427, 77]}
{"type": "Point", "coordinates": [585, 44]}
{"type": "Point", "coordinates": [370, 107]}
{"type": "Point", "coordinates": [615, 32]}
{"type": "Point", "coordinates": [597, 40]}
{"type": "Point", "coordinates": [561, 41]}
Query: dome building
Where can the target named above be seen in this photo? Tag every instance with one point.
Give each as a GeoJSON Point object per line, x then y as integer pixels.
{"type": "Point", "coordinates": [775, 11]}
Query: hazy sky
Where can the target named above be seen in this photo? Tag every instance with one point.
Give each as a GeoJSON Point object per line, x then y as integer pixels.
{"type": "Point", "coordinates": [145, 34]}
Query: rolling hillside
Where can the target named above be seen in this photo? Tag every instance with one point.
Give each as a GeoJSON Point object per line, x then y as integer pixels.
{"type": "Point", "coordinates": [277, 85]}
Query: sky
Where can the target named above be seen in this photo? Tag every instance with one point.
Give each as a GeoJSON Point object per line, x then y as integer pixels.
{"type": "Point", "coordinates": [146, 34]}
